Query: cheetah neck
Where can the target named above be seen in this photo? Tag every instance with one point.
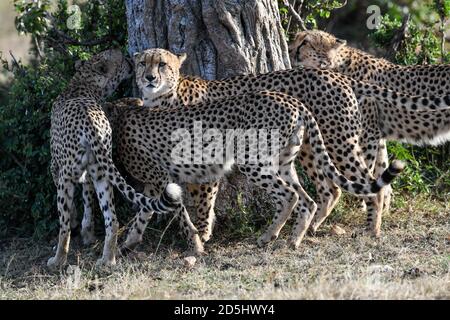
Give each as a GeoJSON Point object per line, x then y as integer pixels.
{"type": "Point", "coordinates": [360, 65]}
{"type": "Point", "coordinates": [82, 87]}
{"type": "Point", "coordinates": [192, 90]}
{"type": "Point", "coordinates": [166, 100]}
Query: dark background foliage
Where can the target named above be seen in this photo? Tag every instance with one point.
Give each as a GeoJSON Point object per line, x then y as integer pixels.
{"type": "Point", "coordinates": [27, 193]}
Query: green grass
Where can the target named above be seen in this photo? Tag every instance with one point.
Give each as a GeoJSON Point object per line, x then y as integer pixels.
{"type": "Point", "coordinates": [411, 260]}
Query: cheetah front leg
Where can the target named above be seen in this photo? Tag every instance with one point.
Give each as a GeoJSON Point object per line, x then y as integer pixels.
{"type": "Point", "coordinates": [105, 196]}
{"type": "Point", "coordinates": [381, 165]}
{"type": "Point", "coordinates": [190, 232]}
{"type": "Point", "coordinates": [376, 206]}
{"type": "Point", "coordinates": [358, 171]}
{"type": "Point", "coordinates": [204, 197]}
{"type": "Point", "coordinates": [376, 158]}
{"type": "Point", "coordinates": [65, 193]}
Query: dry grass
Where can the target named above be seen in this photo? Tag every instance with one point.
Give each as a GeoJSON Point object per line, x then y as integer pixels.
{"type": "Point", "coordinates": [410, 261]}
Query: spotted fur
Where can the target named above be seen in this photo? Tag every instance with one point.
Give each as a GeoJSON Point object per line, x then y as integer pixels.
{"type": "Point", "coordinates": [145, 144]}
{"type": "Point", "coordinates": [81, 151]}
{"type": "Point", "coordinates": [382, 120]}
{"type": "Point", "coordinates": [328, 95]}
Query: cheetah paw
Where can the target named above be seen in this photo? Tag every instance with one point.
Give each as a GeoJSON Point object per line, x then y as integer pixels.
{"type": "Point", "coordinates": [102, 262]}
{"type": "Point", "coordinates": [53, 263]}
{"type": "Point", "coordinates": [265, 239]}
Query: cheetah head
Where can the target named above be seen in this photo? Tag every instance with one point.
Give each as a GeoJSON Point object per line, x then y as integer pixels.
{"type": "Point", "coordinates": [105, 70]}
{"type": "Point", "coordinates": [316, 49]}
{"type": "Point", "coordinates": [157, 71]}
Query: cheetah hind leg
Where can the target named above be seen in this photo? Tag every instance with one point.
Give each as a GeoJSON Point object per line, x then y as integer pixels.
{"type": "Point", "coordinates": [305, 208]}
{"type": "Point", "coordinates": [328, 193]}
{"type": "Point", "coordinates": [87, 224]}
{"type": "Point", "coordinates": [285, 198]}
{"type": "Point", "coordinates": [135, 234]}
{"type": "Point", "coordinates": [105, 196]}
{"type": "Point", "coordinates": [65, 201]}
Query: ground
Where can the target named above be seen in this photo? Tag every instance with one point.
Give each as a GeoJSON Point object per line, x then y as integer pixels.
{"type": "Point", "coordinates": [410, 261]}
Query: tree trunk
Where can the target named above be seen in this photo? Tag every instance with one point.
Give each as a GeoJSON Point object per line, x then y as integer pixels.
{"type": "Point", "coordinates": [222, 38]}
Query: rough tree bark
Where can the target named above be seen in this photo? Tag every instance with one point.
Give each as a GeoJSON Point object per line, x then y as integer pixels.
{"type": "Point", "coordinates": [222, 38]}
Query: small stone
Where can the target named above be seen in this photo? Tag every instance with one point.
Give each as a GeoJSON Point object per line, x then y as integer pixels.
{"type": "Point", "coordinates": [338, 231]}
{"type": "Point", "coordinates": [189, 262]}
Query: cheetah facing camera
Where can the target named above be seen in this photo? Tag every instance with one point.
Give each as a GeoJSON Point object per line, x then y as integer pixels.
{"type": "Point", "coordinates": [81, 151]}
{"type": "Point", "coordinates": [146, 144]}
{"type": "Point", "coordinates": [381, 120]}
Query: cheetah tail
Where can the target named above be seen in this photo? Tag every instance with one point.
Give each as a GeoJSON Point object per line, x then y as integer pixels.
{"type": "Point", "coordinates": [327, 168]}
{"type": "Point", "coordinates": [400, 100]}
{"type": "Point", "coordinates": [168, 201]}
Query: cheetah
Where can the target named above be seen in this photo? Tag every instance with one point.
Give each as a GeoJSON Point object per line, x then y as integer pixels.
{"type": "Point", "coordinates": [330, 96]}
{"type": "Point", "coordinates": [146, 144]}
{"type": "Point", "coordinates": [80, 147]}
{"type": "Point", "coordinates": [381, 121]}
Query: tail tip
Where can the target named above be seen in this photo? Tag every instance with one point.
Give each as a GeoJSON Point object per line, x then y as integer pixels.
{"type": "Point", "coordinates": [397, 166]}
{"type": "Point", "coordinates": [174, 192]}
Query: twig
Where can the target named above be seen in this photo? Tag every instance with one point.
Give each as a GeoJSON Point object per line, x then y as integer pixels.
{"type": "Point", "coordinates": [16, 64]}
{"type": "Point", "coordinates": [57, 45]}
{"type": "Point", "coordinates": [38, 47]}
{"type": "Point", "coordinates": [64, 39]}
{"type": "Point", "coordinates": [443, 41]}
{"type": "Point", "coordinates": [288, 27]}
{"type": "Point", "coordinates": [398, 37]}
{"type": "Point", "coordinates": [295, 14]}
{"type": "Point", "coordinates": [87, 43]}
{"type": "Point", "coordinates": [164, 232]}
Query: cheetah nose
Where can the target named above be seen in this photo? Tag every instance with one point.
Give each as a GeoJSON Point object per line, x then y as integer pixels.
{"type": "Point", "coordinates": [150, 78]}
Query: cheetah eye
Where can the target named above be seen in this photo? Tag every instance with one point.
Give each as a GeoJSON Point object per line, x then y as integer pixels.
{"type": "Point", "coordinates": [142, 63]}
{"type": "Point", "coordinates": [162, 64]}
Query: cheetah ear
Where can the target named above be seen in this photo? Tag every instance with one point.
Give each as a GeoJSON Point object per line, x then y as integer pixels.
{"type": "Point", "coordinates": [301, 38]}
{"type": "Point", "coordinates": [182, 57]}
{"type": "Point", "coordinates": [101, 67]}
{"type": "Point", "coordinates": [340, 43]}
{"type": "Point", "coordinates": [137, 56]}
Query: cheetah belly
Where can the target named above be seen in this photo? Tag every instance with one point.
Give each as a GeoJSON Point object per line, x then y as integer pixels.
{"type": "Point", "coordinates": [433, 141]}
